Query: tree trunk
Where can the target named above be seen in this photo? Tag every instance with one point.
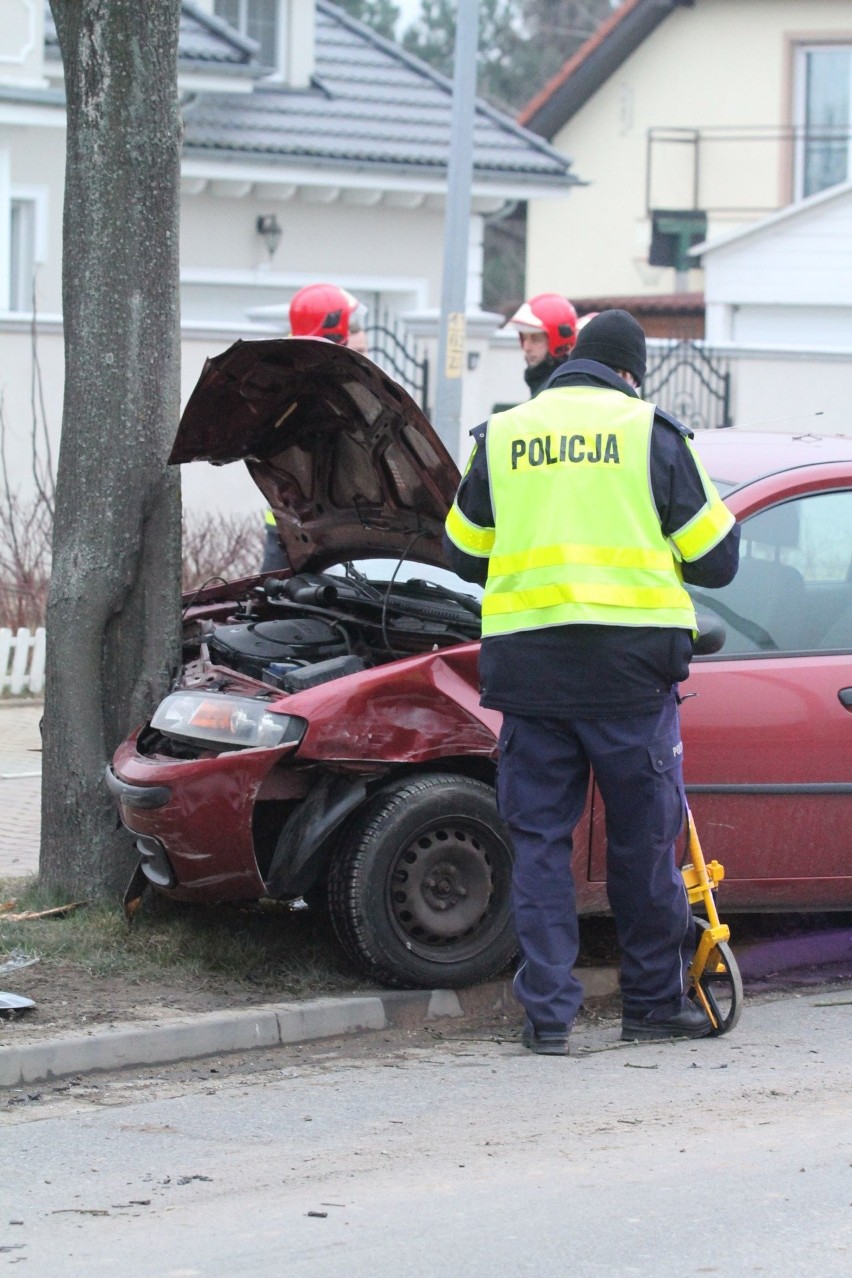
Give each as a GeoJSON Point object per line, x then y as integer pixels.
{"type": "Point", "coordinates": [113, 612]}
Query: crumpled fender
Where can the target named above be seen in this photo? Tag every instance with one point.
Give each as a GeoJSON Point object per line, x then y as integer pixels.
{"type": "Point", "coordinates": [421, 709]}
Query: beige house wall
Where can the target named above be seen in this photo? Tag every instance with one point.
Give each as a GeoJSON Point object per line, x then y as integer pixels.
{"type": "Point", "coordinates": [719, 63]}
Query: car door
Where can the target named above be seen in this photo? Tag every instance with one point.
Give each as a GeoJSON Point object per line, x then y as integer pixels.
{"type": "Point", "coordinates": [767, 721]}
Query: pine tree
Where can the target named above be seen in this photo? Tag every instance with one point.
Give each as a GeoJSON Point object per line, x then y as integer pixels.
{"type": "Point", "coordinates": [522, 43]}
{"type": "Point", "coordinates": [381, 15]}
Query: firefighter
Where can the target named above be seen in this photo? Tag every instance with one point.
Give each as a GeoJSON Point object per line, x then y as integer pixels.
{"type": "Point", "coordinates": [582, 512]}
{"type": "Point", "coordinates": [547, 331]}
{"type": "Point", "coordinates": [318, 310]}
{"type": "Point", "coordinates": [322, 310]}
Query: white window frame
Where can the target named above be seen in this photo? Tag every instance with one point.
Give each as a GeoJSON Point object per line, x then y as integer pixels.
{"type": "Point", "coordinates": [800, 106]}
{"type": "Point", "coordinates": [242, 27]}
{"type": "Point", "coordinates": [27, 244]}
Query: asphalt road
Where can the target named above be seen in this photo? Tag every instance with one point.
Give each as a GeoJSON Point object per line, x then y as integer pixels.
{"type": "Point", "coordinates": [410, 1154]}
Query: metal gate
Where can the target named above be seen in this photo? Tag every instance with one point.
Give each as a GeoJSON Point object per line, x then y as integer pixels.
{"type": "Point", "coordinates": [691, 382]}
{"type": "Point", "coordinates": [390, 348]}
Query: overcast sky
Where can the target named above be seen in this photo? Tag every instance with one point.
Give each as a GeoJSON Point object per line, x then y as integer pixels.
{"type": "Point", "coordinates": [408, 12]}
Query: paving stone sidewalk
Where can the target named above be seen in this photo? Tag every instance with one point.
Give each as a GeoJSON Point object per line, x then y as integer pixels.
{"type": "Point", "coordinates": [20, 787]}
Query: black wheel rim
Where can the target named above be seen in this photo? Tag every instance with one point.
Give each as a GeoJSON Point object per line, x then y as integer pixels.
{"type": "Point", "coordinates": [721, 985]}
{"type": "Point", "coordinates": [445, 889]}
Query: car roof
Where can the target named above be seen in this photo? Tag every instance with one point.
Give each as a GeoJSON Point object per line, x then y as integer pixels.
{"type": "Point", "coordinates": [734, 457]}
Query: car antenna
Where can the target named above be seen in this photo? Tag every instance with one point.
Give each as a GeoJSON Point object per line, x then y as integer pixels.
{"type": "Point", "coordinates": [775, 421]}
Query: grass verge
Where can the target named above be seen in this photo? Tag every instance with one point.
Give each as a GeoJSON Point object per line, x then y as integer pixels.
{"type": "Point", "coordinates": [276, 951]}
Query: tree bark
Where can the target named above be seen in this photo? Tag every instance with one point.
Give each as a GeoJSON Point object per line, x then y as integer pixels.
{"type": "Point", "coordinates": [113, 615]}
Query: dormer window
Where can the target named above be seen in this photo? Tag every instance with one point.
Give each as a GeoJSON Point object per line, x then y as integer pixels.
{"type": "Point", "coordinates": [257, 19]}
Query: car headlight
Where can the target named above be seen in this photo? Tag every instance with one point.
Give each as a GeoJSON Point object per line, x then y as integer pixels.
{"type": "Point", "coordinates": [230, 721]}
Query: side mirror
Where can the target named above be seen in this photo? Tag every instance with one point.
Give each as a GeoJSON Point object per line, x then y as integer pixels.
{"type": "Point", "coordinates": [711, 635]}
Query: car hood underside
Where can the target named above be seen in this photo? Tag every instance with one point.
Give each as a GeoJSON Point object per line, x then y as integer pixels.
{"type": "Point", "coordinates": [345, 458]}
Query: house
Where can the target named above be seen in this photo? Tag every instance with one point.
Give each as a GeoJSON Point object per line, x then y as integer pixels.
{"type": "Point", "coordinates": [688, 120]}
{"type": "Point", "coordinates": [313, 150]}
{"type": "Point", "coordinates": [778, 292]}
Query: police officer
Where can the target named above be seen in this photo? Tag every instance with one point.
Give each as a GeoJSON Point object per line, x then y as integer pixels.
{"type": "Point", "coordinates": [317, 310]}
{"type": "Point", "coordinates": [582, 512]}
{"type": "Point", "coordinates": [547, 330]}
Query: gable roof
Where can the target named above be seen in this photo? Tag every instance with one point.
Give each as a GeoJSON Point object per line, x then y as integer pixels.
{"type": "Point", "coordinates": [370, 105]}
{"type": "Point", "coordinates": [842, 193]}
{"type": "Point", "coordinates": [594, 62]}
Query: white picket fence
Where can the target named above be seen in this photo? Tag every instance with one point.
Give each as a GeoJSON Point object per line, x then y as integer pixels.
{"type": "Point", "coordinates": [21, 661]}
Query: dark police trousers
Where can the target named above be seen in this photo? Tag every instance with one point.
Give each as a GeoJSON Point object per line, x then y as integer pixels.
{"type": "Point", "coordinates": [542, 784]}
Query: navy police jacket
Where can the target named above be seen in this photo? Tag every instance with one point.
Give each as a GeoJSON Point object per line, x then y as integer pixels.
{"type": "Point", "coordinates": [591, 671]}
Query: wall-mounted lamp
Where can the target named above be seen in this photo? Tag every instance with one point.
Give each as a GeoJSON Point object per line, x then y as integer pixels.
{"type": "Point", "coordinates": [269, 227]}
{"type": "Point", "coordinates": [472, 361]}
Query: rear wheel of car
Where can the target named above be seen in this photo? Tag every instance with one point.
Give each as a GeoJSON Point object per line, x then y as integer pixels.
{"type": "Point", "coordinates": [419, 888]}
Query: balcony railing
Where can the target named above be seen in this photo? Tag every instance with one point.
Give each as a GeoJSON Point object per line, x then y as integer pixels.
{"type": "Point", "coordinates": [741, 170]}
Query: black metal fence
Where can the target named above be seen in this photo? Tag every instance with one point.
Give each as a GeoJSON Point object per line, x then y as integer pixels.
{"type": "Point", "coordinates": [690, 381]}
{"type": "Point", "coordinates": [391, 347]}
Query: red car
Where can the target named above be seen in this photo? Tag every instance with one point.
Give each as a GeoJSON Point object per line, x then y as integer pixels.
{"type": "Point", "coordinates": [324, 738]}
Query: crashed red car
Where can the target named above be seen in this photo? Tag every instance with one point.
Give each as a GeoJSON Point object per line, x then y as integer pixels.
{"type": "Point", "coordinates": [324, 735]}
{"type": "Point", "coordinates": [324, 738]}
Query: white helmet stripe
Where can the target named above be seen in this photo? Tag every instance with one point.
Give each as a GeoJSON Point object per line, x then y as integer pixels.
{"type": "Point", "coordinates": [527, 317]}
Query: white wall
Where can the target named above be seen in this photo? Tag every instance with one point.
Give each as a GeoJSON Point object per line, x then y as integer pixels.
{"type": "Point", "coordinates": [36, 169]}
{"type": "Point", "coordinates": [205, 487]}
{"type": "Point", "coordinates": [788, 390]}
{"type": "Point", "coordinates": [496, 378]}
{"type": "Point", "coordinates": [788, 281]}
{"type": "Point", "coordinates": [791, 390]}
{"type": "Point", "coordinates": [22, 42]}
{"type": "Point", "coordinates": [336, 241]}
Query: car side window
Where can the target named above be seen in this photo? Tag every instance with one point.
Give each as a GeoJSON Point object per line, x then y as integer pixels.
{"type": "Point", "coordinates": [793, 590]}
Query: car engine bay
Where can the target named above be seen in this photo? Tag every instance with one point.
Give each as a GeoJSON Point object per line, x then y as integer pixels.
{"type": "Point", "coordinates": [293, 633]}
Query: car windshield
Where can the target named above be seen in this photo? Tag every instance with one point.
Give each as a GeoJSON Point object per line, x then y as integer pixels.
{"type": "Point", "coordinates": [384, 570]}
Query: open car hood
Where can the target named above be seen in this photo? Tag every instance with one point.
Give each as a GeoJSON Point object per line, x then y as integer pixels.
{"type": "Point", "coordinates": [348, 463]}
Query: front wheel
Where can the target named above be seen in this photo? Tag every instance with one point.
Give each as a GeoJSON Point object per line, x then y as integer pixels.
{"type": "Point", "coordinates": [419, 887]}
{"type": "Point", "coordinates": [721, 985]}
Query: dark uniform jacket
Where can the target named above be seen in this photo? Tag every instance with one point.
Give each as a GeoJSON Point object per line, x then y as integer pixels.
{"type": "Point", "coordinates": [594, 671]}
{"type": "Point", "coordinates": [538, 376]}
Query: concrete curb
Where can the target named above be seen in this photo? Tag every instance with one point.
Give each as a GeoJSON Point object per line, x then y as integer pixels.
{"type": "Point", "coordinates": [270, 1025]}
{"type": "Point", "coordinates": [276, 1024]}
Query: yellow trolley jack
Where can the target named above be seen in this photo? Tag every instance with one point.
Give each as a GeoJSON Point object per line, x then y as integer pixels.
{"type": "Point", "coordinates": [714, 976]}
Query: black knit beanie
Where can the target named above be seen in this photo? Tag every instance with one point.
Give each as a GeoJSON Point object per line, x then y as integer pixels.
{"type": "Point", "coordinates": [613, 338]}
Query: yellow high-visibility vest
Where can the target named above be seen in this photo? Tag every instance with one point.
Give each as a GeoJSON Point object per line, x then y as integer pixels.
{"type": "Point", "coordinates": [576, 535]}
{"type": "Point", "coordinates": [269, 518]}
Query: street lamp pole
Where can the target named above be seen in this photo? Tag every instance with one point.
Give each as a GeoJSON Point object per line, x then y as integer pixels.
{"type": "Point", "coordinates": [451, 340]}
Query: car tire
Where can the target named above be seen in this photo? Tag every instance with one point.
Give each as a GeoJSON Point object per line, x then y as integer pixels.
{"type": "Point", "coordinates": [419, 887]}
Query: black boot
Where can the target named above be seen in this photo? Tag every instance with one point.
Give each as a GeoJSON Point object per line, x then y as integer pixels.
{"type": "Point", "coordinates": [689, 1022]}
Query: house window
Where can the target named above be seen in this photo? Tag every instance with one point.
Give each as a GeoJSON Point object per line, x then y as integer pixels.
{"type": "Point", "coordinates": [824, 117]}
{"type": "Point", "coordinates": [257, 19]}
{"type": "Point", "coordinates": [22, 254]}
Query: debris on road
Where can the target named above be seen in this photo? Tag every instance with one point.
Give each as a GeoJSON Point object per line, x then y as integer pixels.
{"type": "Point", "coordinates": [58, 911]}
{"type": "Point", "coordinates": [14, 1002]}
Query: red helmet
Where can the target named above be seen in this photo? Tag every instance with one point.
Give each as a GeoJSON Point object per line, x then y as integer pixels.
{"type": "Point", "coordinates": [584, 319]}
{"type": "Point", "coordinates": [322, 310]}
{"type": "Point", "coordinates": [552, 314]}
